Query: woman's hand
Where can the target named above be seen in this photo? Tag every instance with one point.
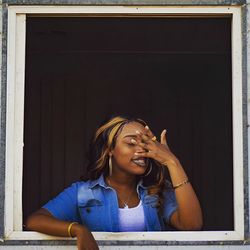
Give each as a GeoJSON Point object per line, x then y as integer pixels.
{"type": "Point", "coordinates": [42, 221]}
{"type": "Point", "coordinates": [188, 216]}
{"type": "Point", "coordinates": [158, 151]}
{"type": "Point", "coordinates": [85, 239]}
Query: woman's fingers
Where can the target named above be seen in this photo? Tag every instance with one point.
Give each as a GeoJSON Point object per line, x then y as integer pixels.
{"type": "Point", "coordinates": [158, 151]}
{"type": "Point", "coordinates": [148, 145]}
{"type": "Point", "coordinates": [149, 132]}
{"type": "Point", "coordinates": [146, 137]}
{"type": "Point", "coordinates": [144, 154]}
{"type": "Point", "coordinates": [164, 138]}
{"type": "Point", "coordinates": [142, 136]}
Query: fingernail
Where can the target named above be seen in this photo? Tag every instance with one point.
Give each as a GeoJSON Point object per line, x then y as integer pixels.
{"type": "Point", "coordinates": [133, 141]}
{"type": "Point", "coordinates": [146, 127]}
{"type": "Point", "coordinates": [137, 132]}
{"type": "Point", "coordinates": [136, 153]}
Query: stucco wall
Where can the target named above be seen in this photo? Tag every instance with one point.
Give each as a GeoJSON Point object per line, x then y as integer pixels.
{"type": "Point", "coordinates": [130, 247]}
{"type": "Point", "coordinates": [248, 90]}
{"type": "Point", "coordinates": [204, 247]}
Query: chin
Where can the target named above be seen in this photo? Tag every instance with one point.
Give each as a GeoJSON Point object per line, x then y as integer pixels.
{"type": "Point", "coordinates": [140, 170]}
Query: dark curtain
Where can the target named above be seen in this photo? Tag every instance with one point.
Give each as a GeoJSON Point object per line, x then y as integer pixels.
{"type": "Point", "coordinates": [174, 73]}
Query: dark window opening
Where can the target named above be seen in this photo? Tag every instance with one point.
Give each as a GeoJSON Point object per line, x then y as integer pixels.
{"type": "Point", "coordinates": [175, 73]}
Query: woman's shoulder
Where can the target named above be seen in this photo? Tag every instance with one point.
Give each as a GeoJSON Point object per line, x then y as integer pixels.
{"type": "Point", "coordinates": [80, 184]}
{"type": "Point", "coordinates": [88, 184]}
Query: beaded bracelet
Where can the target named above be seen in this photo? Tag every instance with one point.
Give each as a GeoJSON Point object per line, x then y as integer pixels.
{"type": "Point", "coordinates": [69, 228]}
{"type": "Point", "coordinates": [181, 184]}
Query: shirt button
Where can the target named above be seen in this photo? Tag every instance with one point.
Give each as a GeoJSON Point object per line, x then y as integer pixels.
{"type": "Point", "coordinates": [88, 210]}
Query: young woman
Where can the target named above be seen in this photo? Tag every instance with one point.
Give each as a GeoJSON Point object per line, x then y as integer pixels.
{"type": "Point", "coordinates": [126, 190]}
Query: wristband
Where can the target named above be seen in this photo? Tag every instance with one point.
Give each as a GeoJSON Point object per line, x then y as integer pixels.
{"type": "Point", "coordinates": [181, 184]}
{"type": "Point", "coordinates": [69, 228]}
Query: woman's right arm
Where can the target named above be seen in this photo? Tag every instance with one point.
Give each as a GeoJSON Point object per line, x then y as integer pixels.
{"type": "Point", "coordinates": [42, 221]}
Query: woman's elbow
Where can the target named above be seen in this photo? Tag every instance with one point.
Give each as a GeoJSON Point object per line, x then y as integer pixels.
{"type": "Point", "coordinates": [29, 222]}
{"type": "Point", "coordinates": [32, 221]}
{"type": "Point", "coordinates": [194, 225]}
{"type": "Point", "coordinates": [35, 218]}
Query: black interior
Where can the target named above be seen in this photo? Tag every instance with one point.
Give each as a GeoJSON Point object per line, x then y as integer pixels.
{"type": "Point", "coordinates": [174, 73]}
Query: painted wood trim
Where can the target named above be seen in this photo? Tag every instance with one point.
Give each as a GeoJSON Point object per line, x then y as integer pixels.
{"type": "Point", "coordinates": [237, 123]}
{"type": "Point", "coordinates": [140, 10]}
{"type": "Point", "coordinates": [19, 118]}
{"type": "Point", "coordinates": [135, 236]}
{"type": "Point", "coordinates": [10, 111]}
{"type": "Point", "coordinates": [15, 105]}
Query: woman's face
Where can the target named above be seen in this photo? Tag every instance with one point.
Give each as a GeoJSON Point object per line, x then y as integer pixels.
{"type": "Point", "coordinates": [123, 155]}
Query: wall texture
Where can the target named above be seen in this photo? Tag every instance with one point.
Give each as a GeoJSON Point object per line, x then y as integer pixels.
{"type": "Point", "coordinates": [248, 85]}
{"type": "Point", "coordinates": [128, 2]}
{"type": "Point", "coordinates": [128, 248]}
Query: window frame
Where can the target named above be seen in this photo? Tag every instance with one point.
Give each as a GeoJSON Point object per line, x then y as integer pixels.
{"type": "Point", "coordinates": [15, 116]}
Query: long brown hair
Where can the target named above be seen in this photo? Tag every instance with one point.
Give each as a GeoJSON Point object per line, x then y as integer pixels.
{"type": "Point", "coordinates": [104, 141]}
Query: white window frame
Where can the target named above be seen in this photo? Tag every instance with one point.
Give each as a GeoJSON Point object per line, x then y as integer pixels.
{"type": "Point", "coordinates": [15, 116]}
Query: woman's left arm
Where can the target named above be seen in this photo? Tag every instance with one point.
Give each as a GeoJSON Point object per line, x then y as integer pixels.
{"type": "Point", "coordinates": [188, 216]}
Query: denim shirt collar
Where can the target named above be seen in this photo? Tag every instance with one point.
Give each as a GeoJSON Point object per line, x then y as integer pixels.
{"type": "Point", "coordinates": [101, 182]}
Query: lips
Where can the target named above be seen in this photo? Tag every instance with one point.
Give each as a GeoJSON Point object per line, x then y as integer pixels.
{"type": "Point", "coordinates": [139, 161]}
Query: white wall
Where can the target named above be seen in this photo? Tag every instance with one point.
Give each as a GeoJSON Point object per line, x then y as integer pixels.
{"type": "Point", "coordinates": [215, 247]}
{"type": "Point", "coordinates": [248, 93]}
{"type": "Point", "coordinates": [130, 247]}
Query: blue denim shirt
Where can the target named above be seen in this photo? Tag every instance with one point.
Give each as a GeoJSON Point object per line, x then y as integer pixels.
{"type": "Point", "coordinates": [95, 205]}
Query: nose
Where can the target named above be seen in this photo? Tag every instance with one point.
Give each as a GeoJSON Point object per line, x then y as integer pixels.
{"type": "Point", "coordinates": [140, 149]}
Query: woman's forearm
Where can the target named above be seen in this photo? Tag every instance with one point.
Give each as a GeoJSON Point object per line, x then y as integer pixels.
{"type": "Point", "coordinates": [43, 222]}
{"type": "Point", "coordinates": [189, 210]}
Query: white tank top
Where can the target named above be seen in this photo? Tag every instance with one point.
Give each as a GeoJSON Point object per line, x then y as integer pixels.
{"type": "Point", "coordinates": [132, 219]}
